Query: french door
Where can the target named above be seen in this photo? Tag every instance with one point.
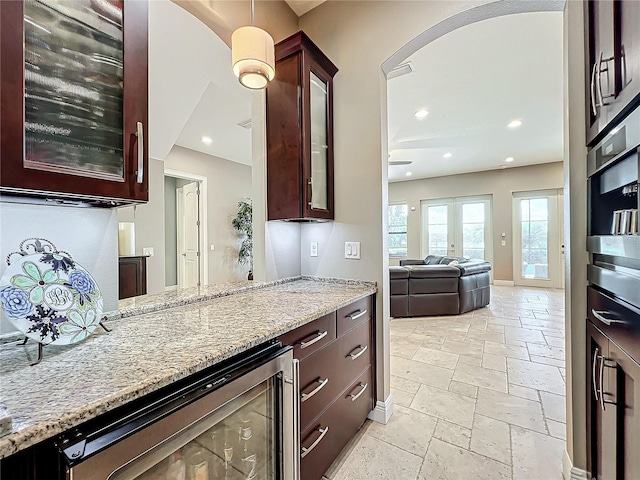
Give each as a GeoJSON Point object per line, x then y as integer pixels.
{"type": "Point", "coordinates": [458, 227]}
{"type": "Point", "coordinates": [537, 239]}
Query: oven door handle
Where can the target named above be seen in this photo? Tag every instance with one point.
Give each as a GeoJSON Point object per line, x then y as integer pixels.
{"type": "Point", "coordinates": [600, 315]}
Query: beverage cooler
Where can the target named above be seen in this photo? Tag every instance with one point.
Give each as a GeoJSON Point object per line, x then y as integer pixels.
{"type": "Point", "coordinates": [239, 421]}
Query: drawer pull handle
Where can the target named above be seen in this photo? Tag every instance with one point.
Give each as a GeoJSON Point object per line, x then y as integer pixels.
{"type": "Point", "coordinates": [307, 450]}
{"type": "Point", "coordinates": [355, 397]}
{"type": "Point", "coordinates": [319, 336]}
{"type": "Point", "coordinates": [600, 315]}
{"type": "Point", "coordinates": [356, 355]}
{"type": "Point", "coordinates": [307, 396]}
{"type": "Point", "coordinates": [357, 314]}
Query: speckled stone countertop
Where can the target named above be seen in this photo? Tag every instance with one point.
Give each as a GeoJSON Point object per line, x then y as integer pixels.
{"type": "Point", "coordinates": [151, 350]}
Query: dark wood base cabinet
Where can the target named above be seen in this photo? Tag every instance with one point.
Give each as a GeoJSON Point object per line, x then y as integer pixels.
{"type": "Point", "coordinates": [613, 404]}
{"type": "Point", "coordinates": [336, 355]}
{"type": "Point", "coordinates": [132, 276]}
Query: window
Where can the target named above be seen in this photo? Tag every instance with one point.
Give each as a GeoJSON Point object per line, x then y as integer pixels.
{"type": "Point", "coordinates": [398, 230]}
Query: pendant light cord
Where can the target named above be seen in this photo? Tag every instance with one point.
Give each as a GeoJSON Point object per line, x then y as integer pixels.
{"type": "Point", "coordinates": [253, 14]}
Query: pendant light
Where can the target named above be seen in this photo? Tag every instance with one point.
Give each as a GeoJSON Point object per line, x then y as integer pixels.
{"type": "Point", "coordinates": [253, 55]}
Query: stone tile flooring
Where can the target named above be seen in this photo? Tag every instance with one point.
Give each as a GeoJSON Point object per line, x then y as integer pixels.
{"type": "Point", "coordinates": [476, 396]}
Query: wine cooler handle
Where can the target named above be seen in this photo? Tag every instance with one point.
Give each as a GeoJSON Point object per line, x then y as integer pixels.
{"type": "Point", "coordinates": [296, 419]}
{"type": "Point", "coordinates": [307, 450]}
{"type": "Point", "coordinates": [593, 373]}
{"type": "Point", "coordinates": [140, 135]}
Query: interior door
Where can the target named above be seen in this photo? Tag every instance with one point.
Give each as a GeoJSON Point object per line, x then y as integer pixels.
{"type": "Point", "coordinates": [459, 227]}
{"type": "Point", "coordinates": [537, 240]}
{"type": "Point", "coordinates": [188, 214]}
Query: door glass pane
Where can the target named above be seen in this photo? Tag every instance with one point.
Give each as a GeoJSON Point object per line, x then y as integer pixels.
{"type": "Point", "coordinates": [319, 145]}
{"type": "Point", "coordinates": [535, 238]}
{"type": "Point", "coordinates": [239, 446]}
{"type": "Point", "coordinates": [73, 53]}
{"type": "Point", "coordinates": [473, 228]}
{"type": "Point", "coordinates": [437, 219]}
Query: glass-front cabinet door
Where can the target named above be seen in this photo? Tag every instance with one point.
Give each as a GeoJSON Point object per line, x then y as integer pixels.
{"type": "Point", "coordinates": [319, 142]}
{"type": "Point", "coordinates": [318, 139]}
{"type": "Point", "coordinates": [74, 98]}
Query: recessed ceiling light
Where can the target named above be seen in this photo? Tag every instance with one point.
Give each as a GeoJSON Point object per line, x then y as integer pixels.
{"type": "Point", "coordinates": [408, 174]}
{"type": "Point", "coordinates": [207, 140]}
{"type": "Point", "coordinates": [508, 159]}
{"type": "Point", "coordinates": [514, 123]}
{"type": "Point", "coordinates": [422, 113]}
{"type": "Point", "coordinates": [448, 155]}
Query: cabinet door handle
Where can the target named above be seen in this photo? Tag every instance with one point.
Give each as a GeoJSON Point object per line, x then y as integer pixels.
{"type": "Point", "coordinates": [602, 359]}
{"type": "Point", "coordinates": [601, 97]}
{"type": "Point", "coordinates": [600, 315]}
{"type": "Point", "coordinates": [307, 450]}
{"type": "Point", "coordinates": [140, 135]}
{"type": "Point", "coordinates": [593, 373]}
{"type": "Point", "coordinates": [357, 395]}
{"type": "Point", "coordinates": [361, 352]}
{"type": "Point", "coordinates": [319, 336]}
{"type": "Point", "coordinates": [357, 314]}
{"type": "Point", "coordinates": [306, 396]}
{"type": "Point", "coordinates": [310, 183]}
{"type": "Point", "coordinates": [594, 105]}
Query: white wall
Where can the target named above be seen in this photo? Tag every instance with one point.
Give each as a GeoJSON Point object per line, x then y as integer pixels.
{"type": "Point", "coordinates": [90, 235]}
{"type": "Point", "coordinates": [227, 183]}
{"type": "Point", "coordinates": [499, 183]}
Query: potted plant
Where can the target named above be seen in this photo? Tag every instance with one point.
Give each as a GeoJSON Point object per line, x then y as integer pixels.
{"type": "Point", "coordinates": [242, 223]}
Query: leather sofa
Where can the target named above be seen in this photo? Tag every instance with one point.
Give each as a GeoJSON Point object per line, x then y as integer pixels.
{"type": "Point", "coordinates": [439, 285]}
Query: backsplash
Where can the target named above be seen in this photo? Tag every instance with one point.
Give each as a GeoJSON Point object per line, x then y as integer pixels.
{"type": "Point", "coordinates": [90, 235]}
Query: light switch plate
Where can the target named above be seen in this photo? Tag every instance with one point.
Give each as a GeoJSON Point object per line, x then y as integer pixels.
{"type": "Point", "coordinates": [314, 249]}
{"type": "Point", "coordinates": [147, 251]}
{"type": "Point", "coordinates": [352, 250]}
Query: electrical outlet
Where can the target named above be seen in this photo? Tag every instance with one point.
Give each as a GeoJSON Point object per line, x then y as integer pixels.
{"type": "Point", "coordinates": [213, 247]}
{"type": "Point", "coordinates": [504, 243]}
{"type": "Point", "coordinates": [147, 251]}
{"type": "Point", "coordinates": [352, 250]}
{"type": "Point", "coordinates": [314, 249]}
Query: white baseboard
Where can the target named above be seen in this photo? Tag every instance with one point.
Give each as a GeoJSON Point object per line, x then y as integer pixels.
{"type": "Point", "coordinates": [569, 472]}
{"type": "Point", "coordinates": [171, 288]}
{"type": "Point", "coordinates": [383, 411]}
{"type": "Point", "coordinates": [503, 283]}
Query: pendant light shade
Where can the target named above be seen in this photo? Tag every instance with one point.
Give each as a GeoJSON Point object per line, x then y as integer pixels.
{"type": "Point", "coordinates": [253, 57]}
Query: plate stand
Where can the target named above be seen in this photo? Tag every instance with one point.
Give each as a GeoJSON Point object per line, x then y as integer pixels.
{"type": "Point", "coordinates": [41, 346]}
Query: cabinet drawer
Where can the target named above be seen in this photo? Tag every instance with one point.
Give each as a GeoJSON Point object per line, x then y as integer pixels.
{"type": "Point", "coordinates": [325, 438]}
{"type": "Point", "coordinates": [618, 321]}
{"type": "Point", "coordinates": [352, 315]}
{"type": "Point", "coordinates": [329, 371]}
{"type": "Point", "coordinates": [311, 337]}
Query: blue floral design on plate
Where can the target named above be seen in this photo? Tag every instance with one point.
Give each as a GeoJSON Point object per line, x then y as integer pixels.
{"type": "Point", "coordinates": [15, 302]}
{"type": "Point", "coordinates": [58, 262]}
{"type": "Point", "coordinates": [49, 297]}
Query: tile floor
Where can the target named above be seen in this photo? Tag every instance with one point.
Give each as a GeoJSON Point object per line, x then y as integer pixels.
{"type": "Point", "coordinates": [476, 396]}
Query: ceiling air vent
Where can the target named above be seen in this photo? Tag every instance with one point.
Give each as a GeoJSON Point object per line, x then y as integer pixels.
{"type": "Point", "coordinates": [246, 124]}
{"type": "Point", "coordinates": [400, 70]}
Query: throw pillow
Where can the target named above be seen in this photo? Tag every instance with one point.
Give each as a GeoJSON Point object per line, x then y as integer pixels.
{"type": "Point", "coordinates": [453, 263]}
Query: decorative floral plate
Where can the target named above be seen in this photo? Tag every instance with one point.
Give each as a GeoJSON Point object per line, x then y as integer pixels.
{"type": "Point", "coordinates": [48, 296]}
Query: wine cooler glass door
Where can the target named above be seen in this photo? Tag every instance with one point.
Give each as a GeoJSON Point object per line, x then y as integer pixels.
{"type": "Point", "coordinates": [233, 443]}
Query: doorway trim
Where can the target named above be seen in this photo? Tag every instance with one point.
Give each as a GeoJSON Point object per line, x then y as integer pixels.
{"type": "Point", "coordinates": [204, 235]}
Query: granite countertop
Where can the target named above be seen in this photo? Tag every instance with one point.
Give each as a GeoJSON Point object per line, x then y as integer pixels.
{"type": "Point", "coordinates": [155, 341]}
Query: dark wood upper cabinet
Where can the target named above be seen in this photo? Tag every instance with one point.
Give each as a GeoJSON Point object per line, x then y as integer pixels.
{"type": "Point", "coordinates": [613, 63]}
{"type": "Point", "coordinates": [300, 133]}
{"type": "Point", "coordinates": [74, 100]}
